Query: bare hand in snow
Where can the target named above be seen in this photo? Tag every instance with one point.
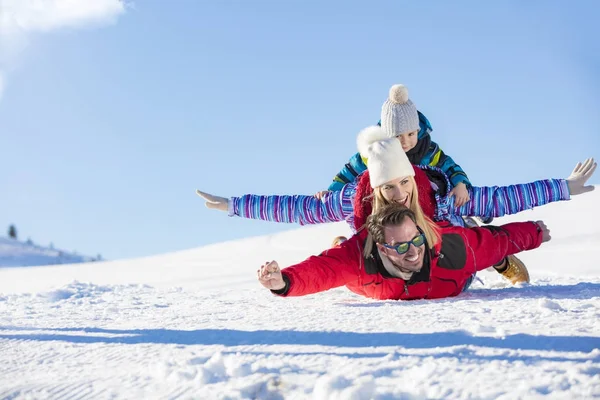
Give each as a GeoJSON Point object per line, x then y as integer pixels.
{"type": "Point", "coordinates": [269, 275]}
{"type": "Point", "coordinates": [582, 172]}
{"type": "Point", "coordinates": [216, 202]}
{"type": "Point", "coordinates": [460, 193]}
{"type": "Point", "coordinates": [545, 231]}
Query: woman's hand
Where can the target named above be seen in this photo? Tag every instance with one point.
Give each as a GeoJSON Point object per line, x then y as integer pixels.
{"type": "Point", "coordinates": [216, 202]}
{"type": "Point", "coordinates": [582, 172]}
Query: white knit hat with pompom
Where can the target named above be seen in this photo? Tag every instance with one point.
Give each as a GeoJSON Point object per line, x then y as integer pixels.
{"type": "Point", "coordinates": [385, 158]}
{"type": "Point", "coordinates": [398, 113]}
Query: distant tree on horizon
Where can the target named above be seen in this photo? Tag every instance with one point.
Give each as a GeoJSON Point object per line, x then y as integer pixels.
{"type": "Point", "coordinates": [12, 232]}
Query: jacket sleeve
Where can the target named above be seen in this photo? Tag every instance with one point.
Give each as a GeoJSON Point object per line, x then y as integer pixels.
{"type": "Point", "coordinates": [497, 201]}
{"type": "Point", "coordinates": [299, 209]}
{"type": "Point", "coordinates": [354, 167]}
{"type": "Point", "coordinates": [333, 268]}
{"type": "Point", "coordinates": [437, 158]}
{"type": "Point", "coordinates": [488, 245]}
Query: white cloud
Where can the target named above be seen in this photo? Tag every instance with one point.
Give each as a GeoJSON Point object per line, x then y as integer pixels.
{"type": "Point", "coordinates": [21, 18]}
{"type": "Point", "coordinates": [45, 15]}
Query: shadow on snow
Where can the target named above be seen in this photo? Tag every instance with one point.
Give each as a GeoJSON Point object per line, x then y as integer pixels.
{"type": "Point", "coordinates": [233, 337]}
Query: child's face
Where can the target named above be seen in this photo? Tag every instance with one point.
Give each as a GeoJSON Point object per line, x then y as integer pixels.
{"type": "Point", "coordinates": [408, 140]}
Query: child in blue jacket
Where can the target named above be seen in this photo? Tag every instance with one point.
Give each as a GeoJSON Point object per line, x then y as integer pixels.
{"type": "Point", "coordinates": [400, 118]}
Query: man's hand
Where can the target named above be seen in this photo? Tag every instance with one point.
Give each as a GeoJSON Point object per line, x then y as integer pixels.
{"type": "Point", "coordinates": [269, 275]}
{"type": "Point", "coordinates": [582, 172]}
{"type": "Point", "coordinates": [460, 193]}
{"type": "Point", "coordinates": [545, 231]}
{"type": "Point", "coordinates": [216, 202]}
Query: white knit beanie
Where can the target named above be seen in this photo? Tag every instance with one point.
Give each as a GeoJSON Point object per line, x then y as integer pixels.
{"type": "Point", "coordinates": [398, 113]}
{"type": "Point", "coordinates": [385, 158]}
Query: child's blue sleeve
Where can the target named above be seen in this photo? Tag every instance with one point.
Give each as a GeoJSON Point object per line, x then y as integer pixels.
{"type": "Point", "coordinates": [436, 157]}
{"type": "Point", "coordinates": [354, 167]}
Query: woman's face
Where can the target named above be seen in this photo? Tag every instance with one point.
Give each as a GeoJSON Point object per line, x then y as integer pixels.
{"type": "Point", "coordinates": [408, 140]}
{"type": "Point", "coordinates": [398, 190]}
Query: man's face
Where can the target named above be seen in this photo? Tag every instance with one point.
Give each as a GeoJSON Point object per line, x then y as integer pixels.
{"type": "Point", "coordinates": [412, 260]}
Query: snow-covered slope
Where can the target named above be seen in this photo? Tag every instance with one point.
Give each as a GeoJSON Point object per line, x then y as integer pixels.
{"type": "Point", "coordinates": [14, 253]}
{"type": "Point", "coordinates": [196, 324]}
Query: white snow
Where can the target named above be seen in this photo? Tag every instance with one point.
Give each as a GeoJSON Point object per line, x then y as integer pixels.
{"type": "Point", "coordinates": [196, 324]}
{"type": "Point", "coordinates": [14, 253]}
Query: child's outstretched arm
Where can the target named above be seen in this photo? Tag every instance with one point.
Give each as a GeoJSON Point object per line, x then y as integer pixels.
{"type": "Point", "coordinates": [354, 167]}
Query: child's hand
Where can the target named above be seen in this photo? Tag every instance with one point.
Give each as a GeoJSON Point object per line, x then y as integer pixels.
{"type": "Point", "coordinates": [321, 194]}
{"type": "Point", "coordinates": [460, 193]}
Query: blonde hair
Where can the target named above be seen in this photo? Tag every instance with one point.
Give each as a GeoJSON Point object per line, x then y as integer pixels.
{"type": "Point", "coordinates": [429, 228]}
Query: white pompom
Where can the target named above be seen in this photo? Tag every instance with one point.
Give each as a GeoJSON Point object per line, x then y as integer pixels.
{"type": "Point", "coordinates": [368, 136]}
{"type": "Point", "coordinates": [399, 94]}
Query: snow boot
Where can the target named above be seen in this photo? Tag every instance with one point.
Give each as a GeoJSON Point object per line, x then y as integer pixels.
{"type": "Point", "coordinates": [338, 241]}
{"type": "Point", "coordinates": [513, 269]}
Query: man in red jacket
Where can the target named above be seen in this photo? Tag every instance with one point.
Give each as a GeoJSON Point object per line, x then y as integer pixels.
{"type": "Point", "coordinates": [403, 264]}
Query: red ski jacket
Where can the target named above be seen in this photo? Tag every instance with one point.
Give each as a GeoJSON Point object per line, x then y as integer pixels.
{"type": "Point", "coordinates": [446, 267]}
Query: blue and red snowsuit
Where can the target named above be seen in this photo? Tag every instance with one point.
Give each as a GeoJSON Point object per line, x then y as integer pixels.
{"type": "Point", "coordinates": [425, 153]}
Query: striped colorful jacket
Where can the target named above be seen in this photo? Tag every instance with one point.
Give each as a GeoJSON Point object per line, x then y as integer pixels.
{"type": "Point", "coordinates": [431, 154]}
{"type": "Point", "coordinates": [486, 201]}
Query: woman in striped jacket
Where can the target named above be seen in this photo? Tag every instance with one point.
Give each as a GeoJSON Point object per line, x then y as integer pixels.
{"type": "Point", "coordinates": [352, 202]}
{"type": "Point", "coordinates": [425, 190]}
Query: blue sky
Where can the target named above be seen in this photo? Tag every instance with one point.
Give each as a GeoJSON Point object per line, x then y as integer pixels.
{"type": "Point", "coordinates": [108, 127]}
